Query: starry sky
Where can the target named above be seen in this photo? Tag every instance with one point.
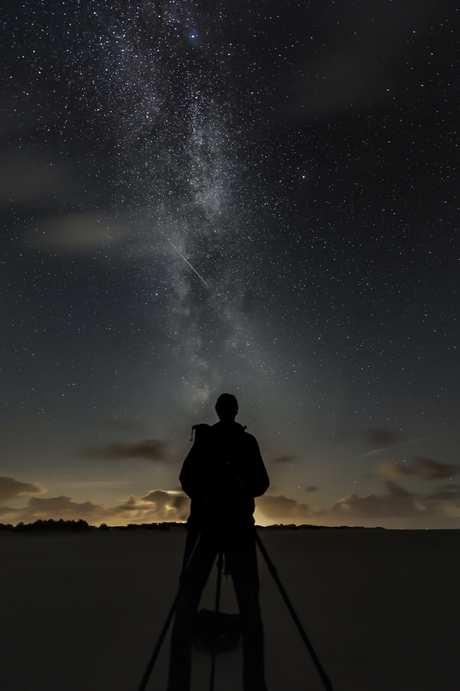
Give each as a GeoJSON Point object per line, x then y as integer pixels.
{"type": "Point", "coordinates": [252, 197]}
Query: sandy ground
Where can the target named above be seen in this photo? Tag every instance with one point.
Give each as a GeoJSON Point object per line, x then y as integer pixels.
{"type": "Point", "coordinates": [82, 612]}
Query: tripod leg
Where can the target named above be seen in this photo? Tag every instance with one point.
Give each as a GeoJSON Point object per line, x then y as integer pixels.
{"type": "Point", "coordinates": [325, 679]}
{"type": "Point", "coordinates": [214, 643]}
{"type": "Point", "coordinates": [161, 638]}
{"type": "Point", "coordinates": [165, 628]}
{"type": "Point", "coordinates": [190, 542]}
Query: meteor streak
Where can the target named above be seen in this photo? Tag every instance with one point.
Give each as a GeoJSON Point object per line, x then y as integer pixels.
{"type": "Point", "coordinates": [394, 446]}
{"type": "Point", "coordinates": [185, 260]}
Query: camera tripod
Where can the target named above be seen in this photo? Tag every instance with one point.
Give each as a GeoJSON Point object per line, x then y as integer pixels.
{"type": "Point", "coordinates": [325, 679]}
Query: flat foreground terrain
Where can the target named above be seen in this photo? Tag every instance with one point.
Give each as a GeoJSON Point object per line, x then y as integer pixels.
{"type": "Point", "coordinates": [82, 612]}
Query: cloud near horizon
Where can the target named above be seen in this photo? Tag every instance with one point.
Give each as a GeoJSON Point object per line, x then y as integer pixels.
{"type": "Point", "coordinates": [398, 503]}
{"type": "Point", "coordinates": [10, 488]}
{"type": "Point", "coordinates": [282, 509]}
{"type": "Point", "coordinates": [159, 506]}
{"type": "Point", "coordinates": [395, 502]}
{"type": "Point", "coordinates": [156, 507]}
{"type": "Point", "coordinates": [148, 449]}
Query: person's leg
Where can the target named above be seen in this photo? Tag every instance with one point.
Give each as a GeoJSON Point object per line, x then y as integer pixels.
{"type": "Point", "coordinates": [242, 561]}
{"type": "Point", "coordinates": [196, 576]}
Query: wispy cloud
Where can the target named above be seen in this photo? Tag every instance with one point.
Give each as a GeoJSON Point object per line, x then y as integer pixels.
{"type": "Point", "coordinates": [284, 459]}
{"type": "Point", "coordinates": [427, 468]}
{"type": "Point", "coordinates": [394, 470]}
{"type": "Point", "coordinates": [148, 449]}
{"type": "Point", "coordinates": [433, 470]}
{"type": "Point", "coordinates": [10, 488]}
{"type": "Point", "coordinates": [374, 436]}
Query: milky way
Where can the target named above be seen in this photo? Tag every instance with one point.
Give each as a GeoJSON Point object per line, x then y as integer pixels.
{"type": "Point", "coordinates": [159, 95]}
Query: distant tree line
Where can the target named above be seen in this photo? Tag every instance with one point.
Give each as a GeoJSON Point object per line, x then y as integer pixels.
{"type": "Point", "coordinates": [82, 526]}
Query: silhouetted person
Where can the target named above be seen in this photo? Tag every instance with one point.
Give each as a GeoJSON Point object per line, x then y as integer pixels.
{"type": "Point", "coordinates": [222, 474]}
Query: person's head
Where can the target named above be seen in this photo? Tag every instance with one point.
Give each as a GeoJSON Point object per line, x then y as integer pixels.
{"type": "Point", "coordinates": [227, 407]}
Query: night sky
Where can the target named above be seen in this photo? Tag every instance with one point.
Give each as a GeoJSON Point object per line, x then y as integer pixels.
{"type": "Point", "coordinates": [258, 198]}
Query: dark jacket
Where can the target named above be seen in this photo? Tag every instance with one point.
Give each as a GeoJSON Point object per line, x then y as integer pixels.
{"type": "Point", "coordinates": [222, 474]}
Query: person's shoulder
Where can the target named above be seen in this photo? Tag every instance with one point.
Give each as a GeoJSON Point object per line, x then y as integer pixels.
{"type": "Point", "coordinates": [201, 431]}
{"type": "Point", "coordinates": [252, 441]}
{"type": "Point", "coordinates": [248, 437]}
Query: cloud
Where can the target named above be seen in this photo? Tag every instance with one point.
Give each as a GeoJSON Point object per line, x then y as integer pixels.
{"type": "Point", "coordinates": [282, 509]}
{"type": "Point", "coordinates": [448, 495]}
{"type": "Point", "coordinates": [284, 459]}
{"type": "Point", "coordinates": [433, 470]}
{"type": "Point", "coordinates": [10, 487]}
{"type": "Point", "coordinates": [394, 470]}
{"type": "Point", "coordinates": [311, 488]}
{"type": "Point", "coordinates": [166, 501]}
{"type": "Point", "coordinates": [148, 449]}
{"type": "Point", "coordinates": [82, 232]}
{"type": "Point", "coordinates": [395, 503]}
{"type": "Point", "coordinates": [159, 506]}
{"type": "Point", "coordinates": [7, 510]}
{"type": "Point", "coordinates": [425, 467]}
{"type": "Point", "coordinates": [61, 507]}
{"type": "Point", "coordinates": [156, 507]}
{"type": "Point", "coordinates": [374, 436]}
